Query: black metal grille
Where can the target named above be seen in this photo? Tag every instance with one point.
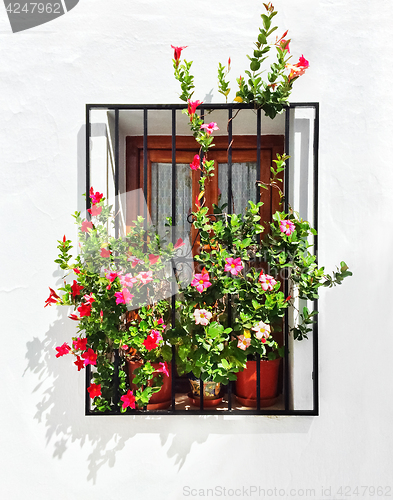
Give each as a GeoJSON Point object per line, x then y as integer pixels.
{"type": "Point", "coordinates": [117, 109]}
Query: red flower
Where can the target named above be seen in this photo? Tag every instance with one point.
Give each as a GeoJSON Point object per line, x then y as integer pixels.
{"type": "Point", "coordinates": [179, 243]}
{"type": "Point", "coordinates": [86, 225]}
{"type": "Point", "coordinates": [80, 344]}
{"type": "Point", "coordinates": [76, 270]}
{"type": "Point", "coordinates": [90, 357]}
{"type": "Point", "coordinates": [79, 363]}
{"type": "Point", "coordinates": [105, 252]}
{"type": "Point", "coordinates": [84, 310]}
{"type": "Point", "coordinates": [177, 53]}
{"type": "Point", "coordinates": [196, 163]}
{"type": "Point", "coordinates": [76, 289]}
{"type": "Point", "coordinates": [64, 239]}
{"type": "Point", "coordinates": [192, 106]}
{"type": "Point", "coordinates": [197, 203]}
{"type": "Point", "coordinates": [128, 400]}
{"type": "Point", "coordinates": [150, 343]}
{"type": "Point", "coordinates": [153, 259]}
{"type": "Point", "coordinates": [95, 197]}
{"type": "Point", "coordinates": [52, 299]}
{"type": "Point", "coordinates": [74, 317]}
{"type": "Point", "coordinates": [62, 350]}
{"type": "Point", "coordinates": [94, 210]}
{"type": "Point", "coordinates": [94, 390]}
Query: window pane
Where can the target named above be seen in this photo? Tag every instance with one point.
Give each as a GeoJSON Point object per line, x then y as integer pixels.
{"type": "Point", "coordinates": [244, 176]}
{"type": "Point", "coordinates": [161, 195]}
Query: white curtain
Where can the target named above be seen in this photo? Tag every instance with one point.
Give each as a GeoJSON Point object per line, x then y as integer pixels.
{"type": "Point", "coordinates": [244, 176]}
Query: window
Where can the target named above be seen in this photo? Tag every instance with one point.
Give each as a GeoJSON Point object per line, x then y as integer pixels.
{"type": "Point", "coordinates": [148, 147]}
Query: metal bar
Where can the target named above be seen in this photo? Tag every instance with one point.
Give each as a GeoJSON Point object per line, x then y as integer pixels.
{"type": "Point", "coordinates": [117, 174]}
{"type": "Point", "coordinates": [173, 298]}
{"type": "Point", "coordinates": [184, 106]}
{"type": "Point", "coordinates": [259, 131]}
{"type": "Point", "coordinates": [87, 395]}
{"type": "Point", "coordinates": [258, 366]}
{"type": "Point", "coordinates": [230, 116]}
{"type": "Point", "coordinates": [145, 130]}
{"type": "Point", "coordinates": [229, 161]}
{"type": "Point", "coordinates": [315, 326]}
{"type": "Point", "coordinates": [286, 287]}
{"type": "Point", "coordinates": [116, 395]}
{"type": "Point", "coordinates": [262, 412]}
{"type": "Point", "coordinates": [88, 132]}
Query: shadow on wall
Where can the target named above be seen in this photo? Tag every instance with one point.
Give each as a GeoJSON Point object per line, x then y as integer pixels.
{"type": "Point", "coordinates": [60, 393]}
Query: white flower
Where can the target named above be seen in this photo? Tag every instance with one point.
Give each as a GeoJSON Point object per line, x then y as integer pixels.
{"type": "Point", "coordinates": [261, 330]}
{"type": "Point", "coordinates": [202, 317]}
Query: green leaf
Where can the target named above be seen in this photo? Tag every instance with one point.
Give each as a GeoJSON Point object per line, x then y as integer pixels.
{"type": "Point", "coordinates": [254, 65]}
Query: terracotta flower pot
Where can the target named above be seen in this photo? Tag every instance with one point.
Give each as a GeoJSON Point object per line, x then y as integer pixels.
{"type": "Point", "coordinates": [246, 383]}
{"type": "Point", "coordinates": [161, 399]}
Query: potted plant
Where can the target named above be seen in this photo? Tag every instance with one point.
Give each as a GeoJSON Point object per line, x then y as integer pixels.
{"type": "Point", "coordinates": [119, 291]}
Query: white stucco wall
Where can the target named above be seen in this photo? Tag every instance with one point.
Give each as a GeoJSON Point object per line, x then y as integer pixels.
{"type": "Point", "coordinates": [120, 52]}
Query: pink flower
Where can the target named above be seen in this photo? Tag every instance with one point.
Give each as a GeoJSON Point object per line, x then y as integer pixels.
{"type": "Point", "coordinates": [261, 330]}
{"type": "Point", "coordinates": [267, 282]}
{"type": "Point", "coordinates": [128, 400]}
{"type": "Point", "coordinates": [94, 390]}
{"type": "Point", "coordinates": [195, 163]}
{"type": "Point", "coordinates": [76, 289]}
{"type": "Point", "coordinates": [298, 69]}
{"type": "Point", "coordinates": [163, 369]}
{"type": "Point", "coordinates": [101, 315]}
{"type": "Point", "coordinates": [202, 317]}
{"type": "Point", "coordinates": [179, 243]}
{"type": "Point", "coordinates": [105, 253]}
{"type": "Point", "coordinates": [210, 127]}
{"type": "Point", "coordinates": [94, 210]}
{"type": "Point", "coordinates": [84, 310]}
{"type": "Point", "coordinates": [80, 344]}
{"type": "Point", "coordinates": [79, 363]}
{"type": "Point", "coordinates": [145, 277]}
{"type": "Point", "coordinates": [134, 260]}
{"type": "Point", "coordinates": [95, 197]}
{"type": "Point", "coordinates": [177, 53]}
{"type": "Point", "coordinates": [160, 322]}
{"type": "Point", "coordinates": [86, 225]}
{"type": "Point", "coordinates": [128, 280]}
{"type": "Point", "coordinates": [62, 350]}
{"type": "Point", "coordinates": [192, 106]}
{"type": "Point", "coordinates": [287, 227]}
{"type": "Point", "coordinates": [52, 299]}
{"type": "Point", "coordinates": [303, 62]}
{"type": "Point", "coordinates": [123, 297]}
{"type": "Point", "coordinates": [89, 298]}
{"type": "Point", "coordinates": [153, 259]}
{"type": "Point", "coordinates": [201, 281]}
{"type": "Point", "coordinates": [243, 342]}
{"type": "Point", "coordinates": [111, 276]}
{"type": "Point", "coordinates": [234, 266]}
{"type": "Point", "coordinates": [90, 357]}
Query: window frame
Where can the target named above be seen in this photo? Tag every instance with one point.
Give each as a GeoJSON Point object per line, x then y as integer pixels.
{"type": "Point", "coordinates": [230, 107]}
